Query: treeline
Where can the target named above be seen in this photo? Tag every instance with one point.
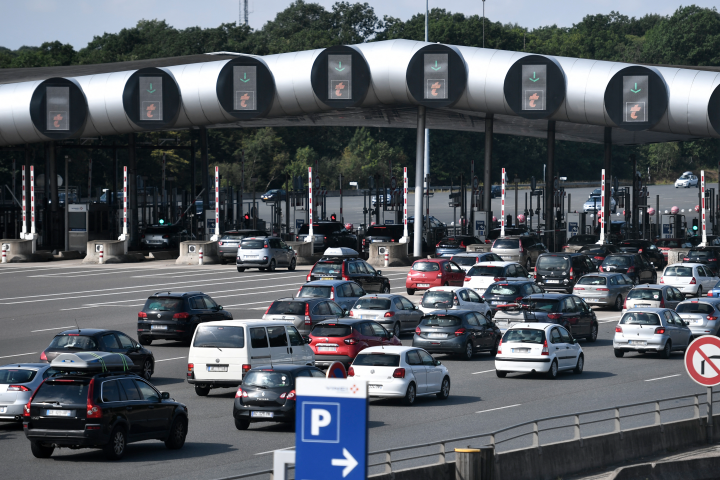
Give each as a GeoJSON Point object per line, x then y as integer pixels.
{"type": "Point", "coordinates": [691, 36]}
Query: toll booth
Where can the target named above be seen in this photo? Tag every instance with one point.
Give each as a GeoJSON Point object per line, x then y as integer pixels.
{"type": "Point", "coordinates": [672, 226]}
{"type": "Point", "coordinates": [482, 226]}
{"type": "Point", "coordinates": [575, 223]}
{"type": "Point", "coordinates": [78, 226]}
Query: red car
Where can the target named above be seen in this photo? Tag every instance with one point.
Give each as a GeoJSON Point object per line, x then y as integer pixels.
{"type": "Point", "coordinates": [433, 272]}
{"type": "Point", "coordinates": [342, 339]}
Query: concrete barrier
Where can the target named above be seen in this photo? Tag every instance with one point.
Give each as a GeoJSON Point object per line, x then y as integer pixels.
{"type": "Point", "coordinates": [440, 471]}
{"type": "Point", "coordinates": [113, 251]}
{"type": "Point", "coordinates": [397, 254]}
{"type": "Point", "coordinates": [190, 253]}
{"type": "Point", "coordinates": [20, 251]}
{"type": "Point", "coordinates": [305, 254]}
{"type": "Point", "coordinates": [675, 255]}
{"type": "Point", "coordinates": [478, 247]}
{"type": "Point", "coordinates": [694, 468]}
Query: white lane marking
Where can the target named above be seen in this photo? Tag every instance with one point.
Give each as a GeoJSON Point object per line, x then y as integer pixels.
{"type": "Point", "coordinates": [243, 304]}
{"type": "Point", "coordinates": [484, 371]}
{"type": "Point", "coordinates": [168, 359]}
{"type": "Point", "coordinates": [177, 274]}
{"type": "Point", "coordinates": [499, 408]}
{"type": "Point", "coordinates": [662, 378]}
{"type": "Point", "coordinates": [20, 355]}
{"type": "Point", "coordinates": [54, 328]}
{"type": "Point", "coordinates": [271, 451]}
{"type": "Point", "coordinates": [609, 321]}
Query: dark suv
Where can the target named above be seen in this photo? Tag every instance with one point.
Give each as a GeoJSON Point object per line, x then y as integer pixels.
{"type": "Point", "coordinates": [634, 265]}
{"type": "Point", "coordinates": [328, 235]}
{"type": "Point", "coordinates": [175, 315]}
{"type": "Point", "coordinates": [708, 256]}
{"type": "Point", "coordinates": [561, 271]}
{"type": "Point", "coordinates": [647, 248]}
{"type": "Point", "coordinates": [100, 407]}
{"type": "Point", "coordinates": [350, 268]}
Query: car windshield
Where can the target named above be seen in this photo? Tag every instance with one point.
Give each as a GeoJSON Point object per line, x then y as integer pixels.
{"type": "Point", "coordinates": [582, 240]}
{"type": "Point", "coordinates": [252, 244]}
{"type": "Point", "coordinates": [67, 392]}
{"type": "Point", "coordinates": [426, 267]}
{"type": "Point", "coordinates": [73, 341]}
{"type": "Point", "coordinates": [160, 230]}
{"type": "Point", "coordinates": [163, 304]}
{"type": "Point", "coordinates": [640, 318]}
{"type": "Point", "coordinates": [331, 330]}
{"type": "Point", "coordinates": [541, 304]}
{"type": "Point", "coordinates": [691, 307]}
{"type": "Point", "coordinates": [465, 261]}
{"type": "Point", "coordinates": [284, 307]}
{"type": "Point", "coordinates": [645, 294]}
{"type": "Point", "coordinates": [372, 304]}
{"type": "Point", "coordinates": [591, 251]}
{"type": "Point", "coordinates": [507, 243]}
{"type": "Point", "coordinates": [442, 298]}
{"type": "Point", "coordinates": [502, 289]}
{"type": "Point", "coordinates": [524, 335]}
{"type": "Point", "coordinates": [699, 254]}
{"type": "Point", "coordinates": [314, 291]}
{"type": "Point", "coordinates": [553, 262]}
{"type": "Point", "coordinates": [684, 177]}
{"type": "Point", "coordinates": [592, 280]}
{"type": "Point", "coordinates": [208, 336]}
{"type": "Point", "coordinates": [440, 321]}
{"type": "Point", "coordinates": [486, 271]}
{"type": "Point", "coordinates": [327, 268]}
{"type": "Point", "coordinates": [617, 261]}
{"type": "Point", "coordinates": [377, 360]}
{"type": "Point", "coordinates": [16, 375]}
{"type": "Point", "coordinates": [678, 272]}
{"type": "Point", "coordinates": [261, 379]}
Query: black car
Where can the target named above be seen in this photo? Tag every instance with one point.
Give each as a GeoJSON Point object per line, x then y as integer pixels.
{"type": "Point", "coordinates": [97, 340]}
{"type": "Point", "coordinates": [597, 253]}
{"type": "Point", "coordinates": [274, 195]}
{"type": "Point", "coordinates": [647, 248]}
{"type": "Point", "coordinates": [350, 268]}
{"type": "Point", "coordinates": [579, 240]}
{"type": "Point", "coordinates": [561, 271]}
{"type": "Point", "coordinates": [570, 311]}
{"type": "Point", "coordinates": [458, 332]}
{"type": "Point", "coordinates": [634, 265]}
{"type": "Point", "coordinates": [503, 293]}
{"type": "Point", "coordinates": [267, 394]}
{"type": "Point", "coordinates": [101, 408]}
{"type": "Point", "coordinates": [328, 234]}
{"type": "Point", "coordinates": [391, 233]}
{"type": "Point", "coordinates": [709, 256]}
{"type": "Point", "coordinates": [175, 315]}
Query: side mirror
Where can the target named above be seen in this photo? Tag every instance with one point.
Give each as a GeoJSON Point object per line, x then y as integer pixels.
{"type": "Point", "coordinates": [165, 395]}
{"type": "Point", "coordinates": [345, 312]}
{"type": "Point", "coordinates": [575, 340]}
{"type": "Point", "coordinates": [219, 307]}
{"type": "Point", "coordinates": [378, 272]}
{"type": "Point", "coordinates": [308, 340]}
{"type": "Point", "coordinates": [437, 362]}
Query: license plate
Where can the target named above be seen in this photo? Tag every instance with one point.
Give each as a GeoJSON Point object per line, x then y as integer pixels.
{"type": "Point", "coordinates": [637, 342]}
{"type": "Point", "coordinates": [231, 245]}
{"type": "Point", "coordinates": [642, 304]}
{"type": "Point", "coordinates": [262, 414]}
{"type": "Point", "coordinates": [250, 256]}
{"type": "Point", "coordinates": [552, 281]}
{"type": "Point", "coordinates": [60, 413]}
{"type": "Point", "coordinates": [506, 257]}
{"type": "Point", "coordinates": [158, 327]}
{"type": "Point", "coordinates": [697, 322]}
{"type": "Point", "coordinates": [326, 348]}
{"type": "Point", "coordinates": [376, 241]}
{"type": "Point", "coordinates": [520, 350]}
{"type": "Point", "coordinates": [423, 284]}
{"type": "Point", "coordinates": [327, 278]}
{"type": "Point", "coordinates": [497, 303]}
{"type": "Point", "coordinates": [592, 300]}
{"type": "Point", "coordinates": [437, 335]}
{"type": "Point", "coordinates": [3, 409]}
{"type": "Point", "coordinates": [217, 368]}
{"type": "Point", "coordinates": [155, 241]}
{"type": "Point", "coordinates": [375, 387]}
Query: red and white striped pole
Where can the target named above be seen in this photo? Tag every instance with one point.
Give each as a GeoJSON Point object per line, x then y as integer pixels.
{"type": "Point", "coordinates": [24, 206]}
{"type": "Point", "coordinates": [32, 237]}
{"type": "Point", "coordinates": [200, 256]}
{"type": "Point", "coordinates": [310, 238]}
{"type": "Point", "coordinates": [125, 202]}
{"type": "Point", "coordinates": [4, 253]}
{"type": "Point", "coordinates": [405, 206]}
{"type": "Point", "coordinates": [702, 190]}
{"type": "Point", "coordinates": [386, 257]}
{"type": "Point", "coordinates": [502, 207]}
{"type": "Point", "coordinates": [100, 253]}
{"type": "Point", "coordinates": [601, 215]}
{"type": "Point", "coordinates": [216, 237]}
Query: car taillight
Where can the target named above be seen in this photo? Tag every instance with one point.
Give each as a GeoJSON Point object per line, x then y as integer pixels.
{"type": "Point", "coordinates": [572, 274]}
{"type": "Point", "coordinates": [221, 243]}
{"type": "Point", "coordinates": [18, 388]}
{"type": "Point", "coordinates": [488, 241]}
{"type": "Point", "coordinates": [43, 357]}
{"type": "Point", "coordinates": [659, 330]}
{"type": "Point", "coordinates": [289, 396]}
{"type": "Point", "coordinates": [581, 288]}
{"type": "Point", "coordinates": [246, 368]}
{"type": "Point", "coordinates": [307, 279]}
{"type": "Point", "coordinates": [535, 272]}
{"type": "Point", "coordinates": [631, 270]}
{"type": "Point", "coordinates": [499, 279]}
{"type": "Point", "coordinates": [554, 316]}
{"type": "Point", "coordinates": [662, 302]}
{"type": "Point", "coordinates": [351, 372]}
{"type": "Point", "coordinates": [350, 341]}
{"type": "Point", "coordinates": [625, 303]}
{"type": "Point", "coordinates": [389, 314]}
{"type": "Point", "coordinates": [308, 321]}
{"type": "Point", "coordinates": [600, 269]}
{"type": "Point", "coordinates": [344, 277]}
{"type": "Point", "coordinates": [459, 331]}
{"type": "Point", "coordinates": [599, 258]}
{"type": "Point", "coordinates": [242, 394]}
{"type": "Point", "coordinates": [710, 294]}
{"type": "Point", "coordinates": [166, 236]}
{"type": "Point", "coordinates": [191, 369]}
{"type": "Point", "coordinates": [565, 246]}
{"type": "Point", "coordinates": [399, 373]}
{"type": "Point", "coordinates": [182, 316]}
{"type": "Point", "coordinates": [686, 259]}
{"type": "Point", "coordinates": [332, 293]}
{"type": "Point", "coordinates": [500, 347]}
{"type": "Point", "coordinates": [436, 246]}
{"type": "Point", "coordinates": [693, 281]}
{"type": "Point", "coordinates": [418, 331]}
{"type": "Point", "coordinates": [351, 314]}
{"type": "Point", "coordinates": [711, 318]}
{"type": "Point", "coordinates": [462, 244]}
{"type": "Point", "coordinates": [467, 279]}
{"type": "Point", "coordinates": [662, 279]}
{"type": "Point", "coordinates": [603, 289]}
{"type": "Point", "coordinates": [639, 250]}
{"type": "Point", "coordinates": [545, 348]}
{"type": "Point", "coordinates": [93, 411]}
{"type": "Point", "coordinates": [268, 309]}
{"type": "Point", "coordinates": [142, 315]}
{"type": "Point", "coordinates": [439, 275]}
{"type": "Point", "coordinates": [618, 329]}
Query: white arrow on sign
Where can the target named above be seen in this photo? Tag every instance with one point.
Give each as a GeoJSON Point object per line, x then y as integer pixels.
{"type": "Point", "coordinates": [348, 462]}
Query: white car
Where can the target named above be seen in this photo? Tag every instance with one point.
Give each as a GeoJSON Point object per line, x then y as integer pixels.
{"type": "Point", "coordinates": [594, 204]}
{"type": "Point", "coordinates": [538, 348]}
{"type": "Point", "coordinates": [687, 180]}
{"type": "Point", "coordinates": [401, 372]}
{"type": "Point", "coordinates": [689, 278]}
{"type": "Point", "coordinates": [455, 298]}
{"type": "Point", "coordinates": [467, 260]}
{"type": "Point", "coordinates": [484, 274]}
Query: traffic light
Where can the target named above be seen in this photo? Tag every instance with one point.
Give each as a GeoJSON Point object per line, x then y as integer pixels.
{"type": "Point", "coordinates": [365, 210]}
{"type": "Point", "coordinates": [695, 225]}
{"type": "Point", "coordinates": [247, 216]}
{"type": "Point", "coordinates": [333, 217]}
{"type": "Point", "coordinates": [161, 222]}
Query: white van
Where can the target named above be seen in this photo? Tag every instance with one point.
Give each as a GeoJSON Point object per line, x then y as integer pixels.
{"type": "Point", "coordinates": [221, 353]}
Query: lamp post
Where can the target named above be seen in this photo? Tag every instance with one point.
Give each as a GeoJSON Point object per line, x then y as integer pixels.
{"type": "Point", "coordinates": [483, 23]}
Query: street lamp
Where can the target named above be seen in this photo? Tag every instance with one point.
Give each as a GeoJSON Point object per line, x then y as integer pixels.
{"type": "Point", "coordinates": [483, 23]}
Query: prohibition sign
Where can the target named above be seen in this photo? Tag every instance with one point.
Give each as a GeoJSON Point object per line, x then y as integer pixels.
{"type": "Point", "coordinates": [702, 361]}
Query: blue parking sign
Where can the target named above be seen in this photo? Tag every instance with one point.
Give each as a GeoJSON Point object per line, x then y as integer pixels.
{"type": "Point", "coordinates": [573, 228]}
{"type": "Point", "coordinates": [480, 227]}
{"type": "Point", "coordinates": [331, 429]}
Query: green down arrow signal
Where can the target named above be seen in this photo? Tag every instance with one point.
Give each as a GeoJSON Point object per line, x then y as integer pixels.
{"type": "Point", "coordinates": [436, 68]}
{"type": "Point", "coordinates": [637, 90]}
{"type": "Point", "coordinates": [339, 68]}
{"type": "Point", "coordinates": [151, 89]}
{"type": "Point", "coordinates": [246, 79]}
{"type": "Point", "coordinates": [534, 78]}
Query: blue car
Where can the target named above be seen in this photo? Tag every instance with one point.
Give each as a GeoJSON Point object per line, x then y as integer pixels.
{"type": "Point", "coordinates": [453, 245]}
{"type": "Point", "coordinates": [715, 291]}
{"type": "Point", "coordinates": [343, 292]}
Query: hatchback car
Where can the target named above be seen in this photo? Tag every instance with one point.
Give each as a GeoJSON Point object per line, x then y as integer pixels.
{"type": "Point", "coordinates": [687, 180]}
{"type": "Point", "coordinates": [647, 248]}
{"type": "Point", "coordinates": [230, 242]}
{"type": "Point", "coordinates": [449, 246]}
{"type": "Point", "coordinates": [594, 203]}
{"type": "Point", "coordinates": [457, 332]}
{"type": "Point", "coordinates": [701, 315]}
{"type": "Point", "coordinates": [433, 272]}
{"type": "Point", "coordinates": [394, 312]}
{"type": "Point", "coordinates": [176, 315]}
{"type": "Point", "coordinates": [267, 394]}
{"type": "Point", "coordinates": [483, 274]}
{"type": "Point", "coordinates": [503, 293]}
{"type": "Point", "coordinates": [328, 234]}
{"type": "Point", "coordinates": [163, 236]}
{"type": "Point", "coordinates": [304, 312]}
{"type": "Point", "coordinates": [708, 256]}
{"type": "Point", "coordinates": [689, 278]}
{"type": "Point", "coordinates": [343, 293]}
{"type": "Point", "coordinates": [97, 340]}
{"type": "Point", "coordinates": [274, 195]}
{"type": "Point", "coordinates": [538, 348]}
{"type": "Point", "coordinates": [18, 381]}
{"type": "Point", "coordinates": [598, 253]}
{"type": "Point", "coordinates": [634, 265]}
{"type": "Point", "coordinates": [524, 250]}
{"type": "Point", "coordinates": [576, 242]}
{"type": "Point", "coordinates": [401, 372]}
{"type": "Point", "coordinates": [467, 260]}
{"type": "Point", "coordinates": [266, 253]}
{"type": "Point", "coordinates": [604, 289]}
{"type": "Point", "coordinates": [454, 298]}
{"type": "Point", "coordinates": [658, 330]}
{"type": "Point", "coordinates": [715, 291]}
{"type": "Point", "coordinates": [341, 340]}
{"type": "Point", "coordinates": [346, 264]}
{"type": "Point", "coordinates": [655, 296]}
{"type": "Point", "coordinates": [561, 271]}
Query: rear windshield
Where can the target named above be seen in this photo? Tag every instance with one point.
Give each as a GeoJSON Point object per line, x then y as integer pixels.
{"type": "Point", "coordinates": [331, 330]}
{"type": "Point", "coordinates": [678, 272]}
{"type": "Point", "coordinates": [502, 289]}
{"type": "Point", "coordinates": [313, 291]}
{"type": "Point", "coordinates": [16, 375]}
{"type": "Point", "coordinates": [320, 229]}
{"type": "Point", "coordinates": [592, 280]}
{"type": "Point", "coordinates": [507, 243]}
{"type": "Point", "coordinates": [160, 230]}
{"type": "Point", "coordinates": [377, 360]}
{"type": "Point", "coordinates": [253, 244]}
{"type": "Point", "coordinates": [62, 392]}
{"type": "Point", "coordinates": [640, 318]}
{"type": "Point", "coordinates": [372, 304]}
{"type": "Point", "coordinates": [582, 240]}
{"type": "Point", "coordinates": [699, 254]}
{"type": "Point", "coordinates": [486, 271]}
{"type": "Point", "coordinates": [552, 262]}
{"type": "Point", "coordinates": [281, 307]}
{"type": "Point", "coordinates": [450, 241]}
{"type": "Point", "coordinates": [542, 304]}
{"type": "Point", "coordinates": [160, 304]}
{"type": "Point", "coordinates": [645, 294]}
{"type": "Point", "coordinates": [328, 268]}
{"type": "Point", "coordinates": [617, 261]}
{"type": "Point", "coordinates": [691, 307]}
{"type": "Point", "coordinates": [233, 237]}
{"type": "Point", "coordinates": [525, 335]}
{"type": "Point", "coordinates": [467, 261]}
{"type": "Point", "coordinates": [431, 298]}
{"type": "Point", "coordinates": [221, 337]}
{"type": "Point", "coordinates": [426, 267]}
{"type": "Point", "coordinates": [668, 243]}
{"type": "Point", "coordinates": [440, 321]}
{"type": "Point", "coordinates": [593, 251]}
{"type": "Point", "coordinates": [267, 379]}
{"type": "Point", "coordinates": [386, 231]}
{"type": "Point", "coordinates": [73, 342]}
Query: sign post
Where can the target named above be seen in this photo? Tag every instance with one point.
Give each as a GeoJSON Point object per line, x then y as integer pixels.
{"type": "Point", "coordinates": [310, 237]}
{"type": "Point", "coordinates": [405, 238]}
{"type": "Point", "coordinates": [601, 214]}
{"type": "Point", "coordinates": [502, 206]}
{"type": "Point", "coordinates": [331, 425]}
{"type": "Point", "coordinates": [124, 237]}
{"type": "Point", "coordinates": [216, 236]}
{"type": "Point", "coordinates": [702, 194]}
{"type": "Point", "coordinates": [703, 365]}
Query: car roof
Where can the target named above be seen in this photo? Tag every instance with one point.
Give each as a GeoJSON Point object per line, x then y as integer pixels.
{"type": "Point", "coordinates": [175, 294]}
{"type": "Point", "coordinates": [564, 254]}
{"type": "Point", "coordinates": [471, 254]}
{"type": "Point", "coordinates": [513, 282]}
{"type": "Point", "coordinates": [713, 300]}
{"type": "Point", "coordinates": [623, 254]}
{"type": "Point", "coordinates": [449, 311]}
{"type": "Point", "coordinates": [282, 368]}
{"type": "Point", "coordinates": [343, 321]}
{"type": "Point", "coordinates": [495, 264]}
{"type": "Point", "coordinates": [444, 289]}
{"type": "Point", "coordinates": [380, 295]}
{"type": "Point", "coordinates": [247, 322]}
{"type": "Point", "coordinates": [551, 296]}
{"type": "Point", "coordinates": [650, 285]}
{"type": "Point", "coordinates": [35, 366]}
{"type": "Point", "coordinates": [326, 283]}
{"type": "Point", "coordinates": [389, 349]}
{"type": "Point", "coordinates": [84, 331]}
{"type": "Point", "coordinates": [431, 260]}
{"type": "Point", "coordinates": [686, 264]}
{"type": "Point", "coordinates": [648, 309]}
{"type": "Point", "coordinates": [602, 274]}
{"type": "Point", "coordinates": [534, 326]}
{"type": "Point", "coordinates": [300, 299]}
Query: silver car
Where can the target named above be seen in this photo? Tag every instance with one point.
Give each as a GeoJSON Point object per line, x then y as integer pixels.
{"type": "Point", "coordinates": [658, 330]}
{"type": "Point", "coordinates": [604, 289]}
{"type": "Point", "coordinates": [394, 312]}
{"type": "Point", "coordinates": [18, 381]}
{"type": "Point", "coordinates": [523, 249]}
{"type": "Point", "coordinates": [265, 253]}
{"type": "Point", "coordinates": [454, 298]}
{"type": "Point", "coordinates": [701, 315]}
{"type": "Point", "coordinates": [304, 312]}
{"type": "Point", "coordinates": [163, 236]}
{"type": "Point", "coordinates": [656, 296]}
{"type": "Point", "coordinates": [230, 242]}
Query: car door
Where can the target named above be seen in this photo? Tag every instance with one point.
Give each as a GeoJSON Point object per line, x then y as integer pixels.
{"type": "Point", "coordinates": [135, 411]}
{"type": "Point", "coordinates": [413, 314]}
{"type": "Point", "coordinates": [419, 370]}
{"type": "Point", "coordinates": [213, 309]}
{"type": "Point", "coordinates": [401, 315]}
{"type": "Point", "coordinates": [684, 333]}
{"type": "Point", "coordinates": [572, 348]}
{"type": "Point", "coordinates": [287, 251]}
{"type": "Point", "coordinates": [478, 302]}
{"type": "Point", "coordinates": [335, 310]}
{"type": "Point", "coordinates": [458, 274]}
{"type": "Point", "coordinates": [279, 345]}
{"type": "Point", "coordinates": [571, 315]}
{"type": "Point", "coordinates": [709, 280]}
{"type": "Point", "coordinates": [433, 372]}
{"type": "Point", "coordinates": [199, 308]}
{"type": "Point", "coordinates": [373, 283]}
{"type": "Point", "coordinates": [112, 396]}
{"type": "Point", "coordinates": [470, 323]}
{"type": "Point", "coordinates": [129, 348]}
{"type": "Point", "coordinates": [559, 347]}
{"type": "Point", "coordinates": [372, 337]}
{"type": "Point", "coordinates": [109, 343]}
{"type": "Point", "coordinates": [586, 316]}
{"type": "Point", "coordinates": [158, 415]}
{"type": "Point", "coordinates": [672, 330]}
{"type": "Point", "coordinates": [301, 353]}
{"type": "Point", "coordinates": [487, 337]}
{"type": "Point", "coordinates": [321, 312]}
{"type": "Point", "coordinates": [520, 272]}
{"type": "Point", "coordinates": [357, 290]}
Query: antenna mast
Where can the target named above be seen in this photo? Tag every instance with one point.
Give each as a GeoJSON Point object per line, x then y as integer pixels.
{"type": "Point", "coordinates": [244, 13]}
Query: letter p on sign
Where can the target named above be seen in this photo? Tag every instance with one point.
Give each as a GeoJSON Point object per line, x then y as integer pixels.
{"type": "Point", "coordinates": [320, 422]}
{"type": "Point", "coordinates": [319, 418]}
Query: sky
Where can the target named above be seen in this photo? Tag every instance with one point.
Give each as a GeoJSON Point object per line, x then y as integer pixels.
{"type": "Point", "coordinates": [32, 22]}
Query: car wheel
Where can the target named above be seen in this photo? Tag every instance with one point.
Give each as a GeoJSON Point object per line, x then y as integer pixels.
{"type": "Point", "coordinates": [410, 394]}
{"type": "Point", "coordinates": [411, 291]}
{"type": "Point", "coordinates": [444, 392]}
{"type": "Point", "coordinates": [396, 330]}
{"type": "Point", "coordinates": [619, 353]}
{"type": "Point", "coordinates": [552, 373]}
{"type": "Point", "coordinates": [271, 268]}
{"type": "Point", "coordinates": [291, 268]}
{"type": "Point", "coordinates": [468, 352]}
{"type": "Point", "coordinates": [593, 333]}
{"type": "Point", "coordinates": [667, 350]}
{"type": "Point", "coordinates": [147, 370]}
{"type": "Point", "coordinates": [580, 365]}
{"type": "Point", "coordinates": [619, 303]}
{"type": "Point", "coordinates": [202, 391]}
{"type": "Point", "coordinates": [501, 374]}
{"type": "Point", "coordinates": [41, 451]}
{"type": "Point", "coordinates": [240, 269]}
{"type": "Point", "coordinates": [115, 448]}
{"type": "Point", "coordinates": [699, 291]}
{"type": "Point", "coordinates": [494, 350]}
{"type": "Point", "coordinates": [145, 341]}
{"type": "Point", "coordinates": [178, 432]}
{"type": "Point", "coordinates": [386, 289]}
{"type": "Point", "coordinates": [242, 424]}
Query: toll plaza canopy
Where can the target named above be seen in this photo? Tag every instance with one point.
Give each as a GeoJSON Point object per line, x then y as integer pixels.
{"type": "Point", "coordinates": [378, 84]}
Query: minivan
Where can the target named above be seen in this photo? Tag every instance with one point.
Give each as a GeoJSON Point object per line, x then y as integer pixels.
{"type": "Point", "coordinates": [561, 271]}
{"type": "Point", "coordinates": [221, 353]}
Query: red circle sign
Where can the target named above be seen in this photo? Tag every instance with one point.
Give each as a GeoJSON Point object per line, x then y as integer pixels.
{"type": "Point", "coordinates": [702, 361]}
